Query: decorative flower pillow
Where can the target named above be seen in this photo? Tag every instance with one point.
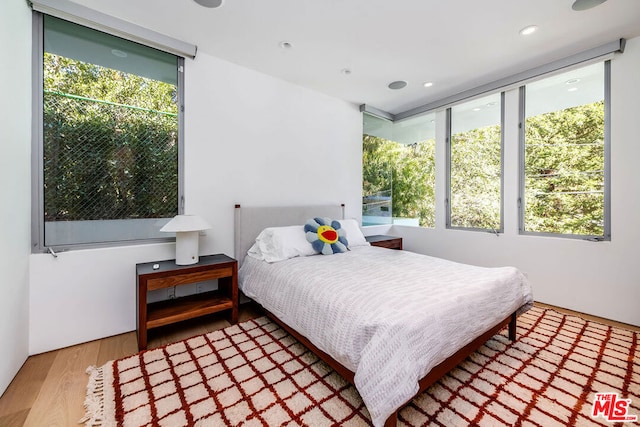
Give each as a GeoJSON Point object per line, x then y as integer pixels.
{"type": "Point", "coordinates": [326, 236]}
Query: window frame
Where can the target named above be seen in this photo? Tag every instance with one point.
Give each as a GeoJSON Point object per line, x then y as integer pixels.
{"type": "Point", "coordinates": [37, 149]}
{"type": "Point", "coordinates": [448, 123]}
{"type": "Point", "coordinates": [427, 116]}
{"type": "Point", "coordinates": [607, 159]}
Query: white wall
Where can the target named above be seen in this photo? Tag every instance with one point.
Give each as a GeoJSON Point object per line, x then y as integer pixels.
{"type": "Point", "coordinates": [256, 140]}
{"type": "Point", "coordinates": [601, 278]}
{"type": "Point", "coordinates": [15, 120]}
{"type": "Point", "coordinates": [249, 139]}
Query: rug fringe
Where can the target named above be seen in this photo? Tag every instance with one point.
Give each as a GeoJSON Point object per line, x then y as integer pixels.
{"type": "Point", "coordinates": [94, 401]}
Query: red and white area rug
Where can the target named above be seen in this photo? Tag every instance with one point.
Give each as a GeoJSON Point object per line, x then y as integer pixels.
{"type": "Point", "coordinates": [562, 370]}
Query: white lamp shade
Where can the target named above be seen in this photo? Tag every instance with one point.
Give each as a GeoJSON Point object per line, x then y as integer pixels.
{"type": "Point", "coordinates": [186, 228]}
{"type": "Point", "coordinates": [185, 223]}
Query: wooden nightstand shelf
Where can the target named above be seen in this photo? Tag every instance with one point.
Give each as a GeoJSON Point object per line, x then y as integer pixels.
{"type": "Point", "coordinates": [168, 274]}
{"type": "Point", "coordinates": [390, 242]}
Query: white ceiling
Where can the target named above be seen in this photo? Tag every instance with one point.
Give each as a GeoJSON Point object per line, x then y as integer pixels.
{"type": "Point", "coordinates": [456, 44]}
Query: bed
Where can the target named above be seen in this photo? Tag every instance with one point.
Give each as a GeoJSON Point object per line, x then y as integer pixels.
{"type": "Point", "coordinates": [391, 322]}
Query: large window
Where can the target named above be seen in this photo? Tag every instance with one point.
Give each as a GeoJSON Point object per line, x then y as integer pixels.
{"type": "Point", "coordinates": [108, 136]}
{"type": "Point", "coordinates": [564, 184]}
{"type": "Point", "coordinates": [398, 167]}
{"type": "Point", "coordinates": [475, 164]}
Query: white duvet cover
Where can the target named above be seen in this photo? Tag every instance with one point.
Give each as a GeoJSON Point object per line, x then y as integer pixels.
{"type": "Point", "coordinates": [389, 316]}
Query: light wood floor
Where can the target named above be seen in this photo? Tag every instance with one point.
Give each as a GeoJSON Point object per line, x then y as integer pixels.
{"type": "Point", "coordinates": [49, 389]}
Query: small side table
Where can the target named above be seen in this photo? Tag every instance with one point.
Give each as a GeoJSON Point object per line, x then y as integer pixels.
{"type": "Point", "coordinates": [389, 242]}
{"type": "Point", "coordinates": [168, 274]}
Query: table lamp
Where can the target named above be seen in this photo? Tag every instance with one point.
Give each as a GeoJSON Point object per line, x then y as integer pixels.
{"type": "Point", "coordinates": [187, 228]}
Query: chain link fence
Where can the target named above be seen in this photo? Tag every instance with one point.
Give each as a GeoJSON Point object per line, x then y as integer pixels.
{"type": "Point", "coordinates": [106, 161]}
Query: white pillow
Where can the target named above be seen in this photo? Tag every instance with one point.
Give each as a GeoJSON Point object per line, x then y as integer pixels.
{"type": "Point", "coordinates": [275, 244]}
{"type": "Point", "coordinates": [354, 234]}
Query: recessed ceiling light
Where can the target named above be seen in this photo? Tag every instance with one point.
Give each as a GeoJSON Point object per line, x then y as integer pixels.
{"type": "Point", "coordinates": [428, 84]}
{"type": "Point", "coordinates": [286, 45]}
{"type": "Point", "coordinates": [572, 89]}
{"type": "Point", "coordinates": [119, 53]}
{"type": "Point", "coordinates": [399, 84]}
{"type": "Point", "coordinates": [209, 3]}
{"type": "Point", "coordinates": [345, 71]}
{"type": "Point", "coordinates": [476, 109]}
{"type": "Point", "coordinates": [530, 29]}
{"type": "Point", "coordinates": [571, 81]}
{"type": "Point", "coordinates": [586, 4]}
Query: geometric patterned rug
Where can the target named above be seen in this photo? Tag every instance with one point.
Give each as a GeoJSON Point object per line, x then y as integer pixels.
{"type": "Point", "coordinates": [562, 371]}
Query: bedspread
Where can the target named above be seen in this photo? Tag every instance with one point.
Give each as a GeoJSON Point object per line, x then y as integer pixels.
{"type": "Point", "coordinates": [389, 316]}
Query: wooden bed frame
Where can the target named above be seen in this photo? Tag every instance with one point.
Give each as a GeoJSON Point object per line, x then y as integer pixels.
{"type": "Point", "coordinates": [433, 376]}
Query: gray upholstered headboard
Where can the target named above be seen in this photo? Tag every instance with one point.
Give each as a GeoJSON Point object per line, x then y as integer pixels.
{"type": "Point", "coordinates": [251, 220]}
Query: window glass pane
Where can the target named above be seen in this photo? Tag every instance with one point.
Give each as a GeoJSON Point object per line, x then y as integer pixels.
{"type": "Point", "coordinates": [110, 137]}
{"type": "Point", "coordinates": [475, 164]}
{"type": "Point", "coordinates": [564, 153]}
{"type": "Point", "coordinates": [69, 40]}
{"type": "Point", "coordinates": [399, 171]}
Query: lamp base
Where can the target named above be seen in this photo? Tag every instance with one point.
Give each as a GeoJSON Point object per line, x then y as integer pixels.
{"type": "Point", "coordinates": [187, 248]}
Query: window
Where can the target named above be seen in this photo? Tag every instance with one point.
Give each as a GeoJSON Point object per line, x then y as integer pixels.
{"type": "Point", "coordinates": [564, 154]}
{"type": "Point", "coordinates": [398, 169]}
{"type": "Point", "coordinates": [475, 164]}
{"type": "Point", "coordinates": [108, 131]}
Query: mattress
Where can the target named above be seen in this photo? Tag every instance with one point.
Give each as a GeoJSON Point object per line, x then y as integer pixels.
{"type": "Point", "coordinates": [389, 316]}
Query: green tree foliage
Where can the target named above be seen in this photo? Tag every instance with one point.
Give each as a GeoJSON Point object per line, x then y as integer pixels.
{"type": "Point", "coordinates": [564, 170]}
{"type": "Point", "coordinates": [73, 77]}
{"type": "Point", "coordinates": [476, 178]}
{"type": "Point", "coordinates": [407, 170]}
{"type": "Point", "coordinates": [110, 143]}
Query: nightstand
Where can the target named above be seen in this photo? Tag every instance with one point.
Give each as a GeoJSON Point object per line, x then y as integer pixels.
{"type": "Point", "coordinates": [167, 274]}
{"type": "Point", "coordinates": [390, 242]}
